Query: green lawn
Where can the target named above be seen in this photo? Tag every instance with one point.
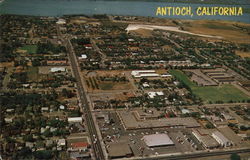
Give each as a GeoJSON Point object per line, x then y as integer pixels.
{"type": "Point", "coordinates": [31, 49]}
{"type": "Point", "coordinates": [223, 93]}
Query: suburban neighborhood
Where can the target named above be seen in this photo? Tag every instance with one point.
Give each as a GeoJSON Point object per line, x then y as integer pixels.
{"type": "Point", "coordinates": [123, 87]}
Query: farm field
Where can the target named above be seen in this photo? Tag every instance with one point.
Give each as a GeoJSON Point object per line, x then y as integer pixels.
{"type": "Point", "coordinates": [213, 94]}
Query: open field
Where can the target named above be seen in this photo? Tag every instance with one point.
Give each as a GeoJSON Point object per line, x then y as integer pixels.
{"type": "Point", "coordinates": [114, 86]}
{"type": "Point", "coordinates": [232, 31]}
{"type": "Point", "coordinates": [143, 32]}
{"type": "Point", "coordinates": [33, 73]}
{"type": "Point", "coordinates": [243, 54]}
{"type": "Point", "coordinates": [223, 93]}
{"type": "Point", "coordinates": [31, 49]}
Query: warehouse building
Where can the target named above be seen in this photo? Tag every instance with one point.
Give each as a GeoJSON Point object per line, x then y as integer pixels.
{"type": "Point", "coordinates": [58, 69]}
{"type": "Point", "coordinates": [144, 73]}
{"type": "Point", "coordinates": [130, 121]}
{"type": "Point", "coordinates": [75, 119]}
{"type": "Point", "coordinates": [205, 139]}
{"type": "Point", "coordinates": [221, 139]}
{"type": "Point", "coordinates": [157, 140]}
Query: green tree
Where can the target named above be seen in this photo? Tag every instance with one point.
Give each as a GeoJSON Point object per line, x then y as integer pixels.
{"type": "Point", "coordinates": [235, 156]}
{"type": "Point", "coordinates": [43, 154]}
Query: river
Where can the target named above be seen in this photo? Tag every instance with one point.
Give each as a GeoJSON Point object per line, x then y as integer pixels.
{"type": "Point", "coordinates": [90, 7]}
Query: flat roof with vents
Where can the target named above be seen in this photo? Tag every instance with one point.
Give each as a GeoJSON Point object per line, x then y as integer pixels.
{"type": "Point", "coordinates": [157, 140]}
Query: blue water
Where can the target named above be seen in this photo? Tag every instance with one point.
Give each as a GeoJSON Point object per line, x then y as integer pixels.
{"type": "Point", "coordinates": [90, 7]}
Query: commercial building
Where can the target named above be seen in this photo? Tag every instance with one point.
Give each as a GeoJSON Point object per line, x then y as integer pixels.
{"type": "Point", "coordinates": [78, 146]}
{"type": "Point", "coordinates": [219, 75]}
{"type": "Point", "coordinates": [147, 114]}
{"type": "Point", "coordinates": [144, 73]}
{"type": "Point", "coordinates": [221, 139]}
{"type": "Point", "coordinates": [119, 150]}
{"type": "Point", "coordinates": [75, 119]}
{"type": "Point", "coordinates": [230, 134]}
{"type": "Point", "coordinates": [103, 116]}
{"type": "Point", "coordinates": [130, 122]}
{"type": "Point", "coordinates": [205, 139]}
{"type": "Point", "coordinates": [181, 63]}
{"type": "Point", "coordinates": [157, 140]}
{"type": "Point", "coordinates": [58, 69]}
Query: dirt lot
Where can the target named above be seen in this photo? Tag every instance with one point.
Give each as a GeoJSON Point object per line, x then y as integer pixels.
{"type": "Point", "coordinates": [243, 54]}
{"type": "Point", "coordinates": [143, 32]}
{"type": "Point", "coordinates": [6, 64]}
{"type": "Point", "coordinates": [231, 31]}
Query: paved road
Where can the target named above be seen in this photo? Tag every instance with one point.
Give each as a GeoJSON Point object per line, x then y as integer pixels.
{"type": "Point", "coordinates": [195, 155]}
{"type": "Point", "coordinates": [96, 143]}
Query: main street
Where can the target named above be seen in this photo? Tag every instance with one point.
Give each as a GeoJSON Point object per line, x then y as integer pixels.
{"type": "Point", "coordinates": [96, 143]}
{"type": "Point", "coordinates": [92, 130]}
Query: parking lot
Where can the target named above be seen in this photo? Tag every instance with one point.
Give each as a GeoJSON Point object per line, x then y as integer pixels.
{"type": "Point", "coordinates": [115, 133]}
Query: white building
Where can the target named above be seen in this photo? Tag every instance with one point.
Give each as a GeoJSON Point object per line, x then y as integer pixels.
{"type": "Point", "coordinates": [156, 140]}
{"type": "Point", "coordinates": [205, 139]}
{"type": "Point", "coordinates": [144, 73]}
{"type": "Point", "coordinates": [61, 21]}
{"type": "Point", "coordinates": [61, 142]}
{"type": "Point", "coordinates": [145, 85]}
{"type": "Point", "coordinates": [8, 120]}
{"type": "Point", "coordinates": [221, 139]}
{"type": "Point", "coordinates": [62, 107]}
{"type": "Point", "coordinates": [57, 69]}
{"type": "Point", "coordinates": [83, 56]}
{"type": "Point", "coordinates": [153, 94]}
{"type": "Point", "coordinates": [166, 76]}
{"type": "Point", "coordinates": [75, 119]}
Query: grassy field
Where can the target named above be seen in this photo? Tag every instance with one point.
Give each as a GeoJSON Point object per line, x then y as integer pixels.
{"type": "Point", "coordinates": [31, 49]}
{"type": "Point", "coordinates": [223, 93]}
{"type": "Point", "coordinates": [106, 86]}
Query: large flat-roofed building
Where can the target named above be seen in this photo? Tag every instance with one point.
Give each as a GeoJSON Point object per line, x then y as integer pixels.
{"type": "Point", "coordinates": [221, 139]}
{"type": "Point", "coordinates": [230, 134]}
{"type": "Point", "coordinates": [147, 114]}
{"type": "Point", "coordinates": [157, 140]}
{"type": "Point", "coordinates": [75, 119]}
{"type": "Point", "coordinates": [144, 73]}
{"type": "Point", "coordinates": [58, 69]}
{"type": "Point", "coordinates": [130, 122]}
{"type": "Point", "coordinates": [219, 75]}
{"type": "Point", "coordinates": [119, 150]}
{"type": "Point", "coordinates": [205, 139]}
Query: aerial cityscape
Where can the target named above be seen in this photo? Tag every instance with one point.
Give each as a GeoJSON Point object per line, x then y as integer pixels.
{"type": "Point", "coordinates": [123, 87]}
